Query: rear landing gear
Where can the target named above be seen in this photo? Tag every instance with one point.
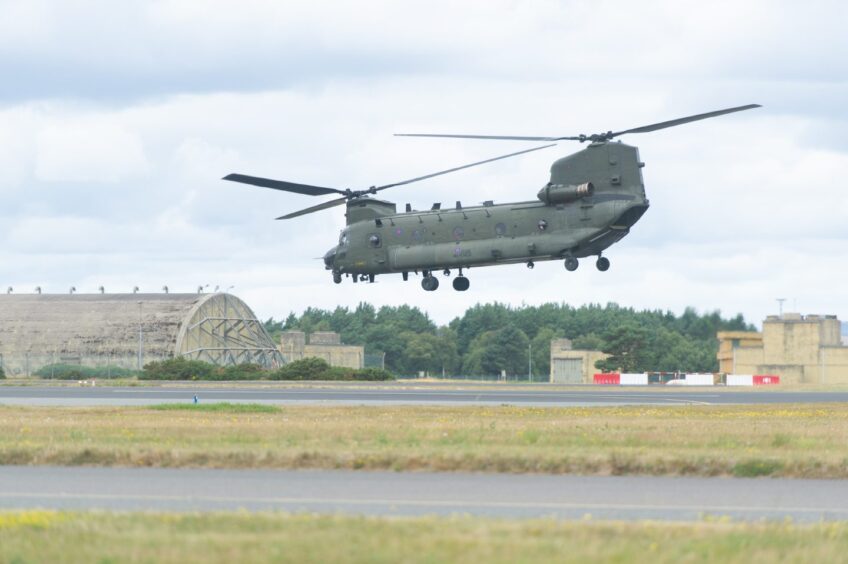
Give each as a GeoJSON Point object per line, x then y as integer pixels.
{"type": "Point", "coordinates": [602, 264]}
{"type": "Point", "coordinates": [571, 264]}
{"type": "Point", "coordinates": [461, 283]}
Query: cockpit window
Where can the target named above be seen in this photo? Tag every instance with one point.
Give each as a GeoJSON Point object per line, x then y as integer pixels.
{"type": "Point", "coordinates": [343, 239]}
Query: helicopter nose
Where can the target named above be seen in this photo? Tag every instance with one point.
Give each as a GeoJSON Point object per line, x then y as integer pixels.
{"type": "Point", "coordinates": [330, 258]}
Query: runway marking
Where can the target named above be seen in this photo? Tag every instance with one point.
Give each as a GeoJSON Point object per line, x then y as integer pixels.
{"type": "Point", "coordinates": [425, 503]}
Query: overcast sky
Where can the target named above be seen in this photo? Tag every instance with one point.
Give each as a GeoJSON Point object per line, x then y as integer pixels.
{"type": "Point", "coordinates": [118, 119]}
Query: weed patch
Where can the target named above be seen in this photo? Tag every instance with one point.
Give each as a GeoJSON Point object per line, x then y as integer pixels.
{"type": "Point", "coordinates": [220, 407]}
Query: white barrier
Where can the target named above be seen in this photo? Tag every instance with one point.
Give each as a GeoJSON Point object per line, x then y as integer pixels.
{"type": "Point", "coordinates": [634, 379]}
{"type": "Point", "coordinates": [698, 380]}
{"type": "Point", "coordinates": [740, 379]}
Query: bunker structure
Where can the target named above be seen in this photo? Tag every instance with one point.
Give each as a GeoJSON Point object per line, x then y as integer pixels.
{"type": "Point", "coordinates": [129, 330]}
{"type": "Point", "coordinates": [799, 348]}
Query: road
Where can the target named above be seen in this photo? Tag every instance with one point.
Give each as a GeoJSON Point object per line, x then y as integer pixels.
{"type": "Point", "coordinates": [397, 493]}
{"type": "Point", "coordinates": [382, 394]}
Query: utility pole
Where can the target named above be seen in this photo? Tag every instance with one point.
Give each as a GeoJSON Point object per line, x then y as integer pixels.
{"type": "Point", "coordinates": [140, 338]}
{"type": "Point", "coordinates": [780, 302]}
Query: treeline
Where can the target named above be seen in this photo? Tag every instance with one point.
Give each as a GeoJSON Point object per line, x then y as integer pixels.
{"type": "Point", "coordinates": [489, 338]}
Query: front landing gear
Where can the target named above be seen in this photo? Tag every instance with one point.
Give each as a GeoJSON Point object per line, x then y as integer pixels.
{"type": "Point", "coordinates": [602, 264]}
{"type": "Point", "coordinates": [571, 264]}
{"type": "Point", "coordinates": [429, 282]}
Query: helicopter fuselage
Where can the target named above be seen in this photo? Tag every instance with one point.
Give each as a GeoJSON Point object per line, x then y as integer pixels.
{"type": "Point", "coordinates": [592, 200]}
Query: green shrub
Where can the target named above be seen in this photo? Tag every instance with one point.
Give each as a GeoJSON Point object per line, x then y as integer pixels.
{"type": "Point", "coordinates": [2, 373]}
{"type": "Point", "coordinates": [242, 372]}
{"type": "Point", "coordinates": [305, 369]}
{"type": "Point", "coordinates": [184, 369]}
{"type": "Point", "coordinates": [77, 372]}
{"type": "Point", "coordinates": [177, 369]}
{"type": "Point", "coordinates": [318, 369]}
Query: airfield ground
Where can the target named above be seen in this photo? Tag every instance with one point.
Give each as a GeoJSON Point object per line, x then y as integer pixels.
{"type": "Point", "coordinates": [786, 440]}
{"type": "Point", "coordinates": [43, 536]}
{"type": "Point", "coordinates": [794, 440]}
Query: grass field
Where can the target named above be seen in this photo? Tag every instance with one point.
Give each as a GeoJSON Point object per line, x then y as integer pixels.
{"type": "Point", "coordinates": [763, 440]}
{"type": "Point", "coordinates": [40, 536]}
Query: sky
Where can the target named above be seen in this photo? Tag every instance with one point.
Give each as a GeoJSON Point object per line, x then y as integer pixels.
{"type": "Point", "coordinates": [119, 119]}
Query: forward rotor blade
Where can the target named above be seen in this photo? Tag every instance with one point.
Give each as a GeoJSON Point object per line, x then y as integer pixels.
{"type": "Point", "coordinates": [411, 180]}
{"type": "Point", "coordinates": [319, 207]}
{"type": "Point", "coordinates": [681, 121]}
{"type": "Point", "coordinates": [282, 185]}
{"type": "Point", "coordinates": [506, 137]}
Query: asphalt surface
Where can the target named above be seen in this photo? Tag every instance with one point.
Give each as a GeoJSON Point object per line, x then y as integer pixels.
{"type": "Point", "coordinates": [382, 394]}
{"type": "Point", "coordinates": [395, 493]}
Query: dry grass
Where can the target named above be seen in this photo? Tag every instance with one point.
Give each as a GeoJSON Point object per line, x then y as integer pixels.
{"type": "Point", "coordinates": [773, 440]}
{"type": "Point", "coordinates": [41, 536]}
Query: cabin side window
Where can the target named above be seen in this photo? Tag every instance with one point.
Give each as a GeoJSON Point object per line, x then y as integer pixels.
{"type": "Point", "coordinates": [374, 241]}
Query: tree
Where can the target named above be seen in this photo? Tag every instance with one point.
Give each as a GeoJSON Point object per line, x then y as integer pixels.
{"type": "Point", "coordinates": [496, 351]}
{"type": "Point", "coordinates": [627, 347]}
{"type": "Point", "coordinates": [419, 353]}
{"type": "Point", "coordinates": [542, 351]}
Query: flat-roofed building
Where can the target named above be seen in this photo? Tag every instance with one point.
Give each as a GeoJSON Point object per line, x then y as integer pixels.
{"type": "Point", "coordinates": [570, 366]}
{"type": "Point", "coordinates": [327, 345]}
{"type": "Point", "coordinates": [798, 348]}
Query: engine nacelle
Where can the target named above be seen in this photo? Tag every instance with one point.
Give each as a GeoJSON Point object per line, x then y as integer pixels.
{"type": "Point", "coordinates": [563, 194]}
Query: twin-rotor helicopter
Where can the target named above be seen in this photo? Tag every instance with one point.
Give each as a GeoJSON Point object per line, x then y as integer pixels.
{"type": "Point", "coordinates": [593, 198]}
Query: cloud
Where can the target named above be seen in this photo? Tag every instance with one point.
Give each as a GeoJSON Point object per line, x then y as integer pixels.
{"type": "Point", "coordinates": [132, 50]}
{"type": "Point", "coordinates": [88, 150]}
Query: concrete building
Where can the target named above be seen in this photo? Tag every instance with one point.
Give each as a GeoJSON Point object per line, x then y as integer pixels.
{"type": "Point", "coordinates": [799, 349]}
{"type": "Point", "coordinates": [569, 366]}
{"type": "Point", "coordinates": [322, 344]}
{"type": "Point", "coordinates": [129, 330]}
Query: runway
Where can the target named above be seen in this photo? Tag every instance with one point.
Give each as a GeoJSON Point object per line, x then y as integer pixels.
{"type": "Point", "coordinates": [405, 394]}
{"type": "Point", "coordinates": [396, 493]}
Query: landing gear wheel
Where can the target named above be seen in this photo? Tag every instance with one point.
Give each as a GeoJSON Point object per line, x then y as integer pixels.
{"type": "Point", "coordinates": [461, 283]}
{"type": "Point", "coordinates": [337, 277]}
{"type": "Point", "coordinates": [430, 283]}
{"type": "Point", "coordinates": [571, 264]}
{"type": "Point", "coordinates": [603, 264]}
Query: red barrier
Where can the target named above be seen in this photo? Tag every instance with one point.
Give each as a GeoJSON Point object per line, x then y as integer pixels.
{"type": "Point", "coordinates": [613, 379]}
{"type": "Point", "coordinates": [766, 380]}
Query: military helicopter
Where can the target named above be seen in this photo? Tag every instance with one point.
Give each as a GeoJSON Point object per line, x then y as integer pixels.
{"type": "Point", "coordinates": [593, 198]}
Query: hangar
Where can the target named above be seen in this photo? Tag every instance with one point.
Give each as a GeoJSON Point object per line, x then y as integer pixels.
{"type": "Point", "coordinates": [129, 330]}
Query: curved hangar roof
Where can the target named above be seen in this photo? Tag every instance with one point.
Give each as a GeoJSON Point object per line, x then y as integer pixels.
{"type": "Point", "coordinates": [103, 329]}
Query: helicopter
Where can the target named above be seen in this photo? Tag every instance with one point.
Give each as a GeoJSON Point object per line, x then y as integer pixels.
{"type": "Point", "coordinates": [592, 200]}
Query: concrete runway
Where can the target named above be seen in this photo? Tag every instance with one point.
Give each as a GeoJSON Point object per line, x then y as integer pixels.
{"type": "Point", "coordinates": [397, 493]}
{"type": "Point", "coordinates": [401, 394]}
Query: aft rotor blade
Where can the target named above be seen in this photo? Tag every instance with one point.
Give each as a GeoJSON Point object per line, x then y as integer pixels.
{"type": "Point", "coordinates": [411, 180]}
{"type": "Point", "coordinates": [681, 121]}
{"type": "Point", "coordinates": [319, 207]}
{"type": "Point", "coordinates": [506, 137]}
{"type": "Point", "coordinates": [283, 185]}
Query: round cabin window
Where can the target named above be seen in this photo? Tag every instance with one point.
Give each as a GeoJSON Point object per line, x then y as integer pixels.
{"type": "Point", "coordinates": [500, 229]}
{"type": "Point", "coordinates": [458, 232]}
